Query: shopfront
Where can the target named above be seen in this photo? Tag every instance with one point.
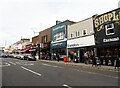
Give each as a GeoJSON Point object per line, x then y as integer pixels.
{"type": "Point", "coordinates": [59, 39]}
{"type": "Point", "coordinates": [107, 36]}
{"type": "Point", "coordinates": [78, 46]}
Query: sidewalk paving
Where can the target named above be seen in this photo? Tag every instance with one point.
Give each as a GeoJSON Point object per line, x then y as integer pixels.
{"type": "Point", "coordinates": [102, 67]}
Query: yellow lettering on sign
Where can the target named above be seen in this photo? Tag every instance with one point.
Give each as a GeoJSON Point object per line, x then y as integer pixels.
{"type": "Point", "coordinates": [96, 23]}
{"type": "Point", "coordinates": [105, 17]}
{"type": "Point", "coordinates": [110, 16]}
{"type": "Point", "coordinates": [115, 17]}
{"type": "Point", "coordinates": [101, 20]}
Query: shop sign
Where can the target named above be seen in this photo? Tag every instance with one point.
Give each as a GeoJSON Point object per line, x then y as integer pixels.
{"type": "Point", "coordinates": [81, 42]}
{"type": "Point", "coordinates": [58, 45]}
{"type": "Point", "coordinates": [59, 27]}
{"type": "Point", "coordinates": [108, 17]}
{"type": "Point", "coordinates": [111, 39]}
{"type": "Point", "coordinates": [73, 45]}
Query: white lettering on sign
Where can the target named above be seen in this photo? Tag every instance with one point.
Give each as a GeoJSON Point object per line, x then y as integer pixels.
{"type": "Point", "coordinates": [57, 44]}
{"type": "Point", "coordinates": [111, 39]}
{"type": "Point", "coordinates": [58, 27]}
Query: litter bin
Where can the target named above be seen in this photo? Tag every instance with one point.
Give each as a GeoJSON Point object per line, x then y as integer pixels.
{"type": "Point", "coordinates": [65, 59]}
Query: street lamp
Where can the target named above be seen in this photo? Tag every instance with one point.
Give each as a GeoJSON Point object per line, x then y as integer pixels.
{"type": "Point", "coordinates": [38, 49]}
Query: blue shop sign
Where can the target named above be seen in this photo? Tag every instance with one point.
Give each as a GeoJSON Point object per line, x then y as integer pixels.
{"type": "Point", "coordinates": [58, 45]}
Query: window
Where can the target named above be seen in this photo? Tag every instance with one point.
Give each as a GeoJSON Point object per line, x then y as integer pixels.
{"type": "Point", "coordinates": [44, 39]}
{"type": "Point", "coordinates": [110, 29]}
{"type": "Point", "coordinates": [78, 33]}
{"type": "Point", "coordinates": [58, 36]}
{"type": "Point", "coordinates": [84, 32]}
{"type": "Point", "coordinates": [71, 35]}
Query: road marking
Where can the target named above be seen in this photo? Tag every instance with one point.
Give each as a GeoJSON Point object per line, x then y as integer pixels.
{"type": "Point", "coordinates": [31, 71]}
{"type": "Point", "coordinates": [12, 63]}
{"type": "Point", "coordinates": [51, 65]}
{"type": "Point", "coordinates": [66, 86]}
{"type": "Point", "coordinates": [6, 64]}
{"type": "Point", "coordinates": [24, 63]}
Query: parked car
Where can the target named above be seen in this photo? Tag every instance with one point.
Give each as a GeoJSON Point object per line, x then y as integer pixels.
{"type": "Point", "coordinates": [4, 55]}
{"type": "Point", "coordinates": [29, 57]}
{"type": "Point", "coordinates": [23, 56]}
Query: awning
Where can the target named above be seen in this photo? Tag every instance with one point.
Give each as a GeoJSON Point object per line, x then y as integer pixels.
{"type": "Point", "coordinates": [17, 51]}
{"type": "Point", "coordinates": [33, 49]}
{"type": "Point", "coordinates": [25, 50]}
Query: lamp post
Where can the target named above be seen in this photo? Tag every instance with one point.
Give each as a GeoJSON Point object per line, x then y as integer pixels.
{"type": "Point", "coordinates": [38, 49]}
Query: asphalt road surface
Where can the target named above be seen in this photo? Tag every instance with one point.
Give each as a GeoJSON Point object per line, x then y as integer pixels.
{"type": "Point", "coordinates": [35, 73]}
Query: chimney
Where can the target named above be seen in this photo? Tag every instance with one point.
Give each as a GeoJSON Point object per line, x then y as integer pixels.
{"type": "Point", "coordinates": [57, 22]}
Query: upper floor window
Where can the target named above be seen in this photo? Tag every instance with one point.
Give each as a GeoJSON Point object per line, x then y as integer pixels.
{"type": "Point", "coordinates": [78, 33]}
{"type": "Point", "coordinates": [84, 32]}
{"type": "Point", "coordinates": [110, 29]}
{"type": "Point", "coordinates": [58, 36]}
{"type": "Point", "coordinates": [71, 36]}
{"type": "Point", "coordinates": [44, 39]}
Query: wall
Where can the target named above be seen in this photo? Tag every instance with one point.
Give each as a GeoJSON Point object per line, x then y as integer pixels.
{"type": "Point", "coordinates": [86, 24]}
{"type": "Point", "coordinates": [35, 40]}
{"type": "Point", "coordinates": [44, 33]}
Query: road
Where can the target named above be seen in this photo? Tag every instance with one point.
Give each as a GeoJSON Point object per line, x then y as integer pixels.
{"type": "Point", "coordinates": [36, 73]}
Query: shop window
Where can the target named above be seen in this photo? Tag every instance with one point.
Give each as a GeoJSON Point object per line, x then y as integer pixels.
{"type": "Point", "coordinates": [110, 29]}
{"type": "Point", "coordinates": [84, 32]}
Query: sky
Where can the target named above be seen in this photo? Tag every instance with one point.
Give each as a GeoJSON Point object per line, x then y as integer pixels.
{"type": "Point", "coordinates": [21, 18]}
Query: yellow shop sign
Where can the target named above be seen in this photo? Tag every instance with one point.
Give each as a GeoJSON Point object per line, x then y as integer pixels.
{"type": "Point", "coordinates": [111, 16]}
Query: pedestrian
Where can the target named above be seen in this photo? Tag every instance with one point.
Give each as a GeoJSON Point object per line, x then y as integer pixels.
{"type": "Point", "coordinates": [93, 58]}
{"type": "Point", "coordinates": [85, 57]}
{"type": "Point", "coordinates": [58, 56]}
{"type": "Point", "coordinates": [117, 63]}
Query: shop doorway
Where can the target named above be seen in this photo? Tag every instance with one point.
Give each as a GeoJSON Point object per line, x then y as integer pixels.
{"type": "Point", "coordinates": [82, 55]}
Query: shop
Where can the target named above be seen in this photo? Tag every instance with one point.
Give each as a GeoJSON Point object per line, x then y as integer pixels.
{"type": "Point", "coordinates": [45, 51]}
{"type": "Point", "coordinates": [59, 39]}
{"type": "Point", "coordinates": [107, 36]}
{"type": "Point", "coordinates": [77, 47]}
{"type": "Point", "coordinates": [80, 39]}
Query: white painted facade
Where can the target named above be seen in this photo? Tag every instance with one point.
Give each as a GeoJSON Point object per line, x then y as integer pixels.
{"type": "Point", "coordinates": [80, 36]}
{"type": "Point", "coordinates": [77, 29]}
{"type": "Point", "coordinates": [76, 37]}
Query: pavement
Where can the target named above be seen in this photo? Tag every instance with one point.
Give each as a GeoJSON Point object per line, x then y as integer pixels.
{"type": "Point", "coordinates": [100, 67]}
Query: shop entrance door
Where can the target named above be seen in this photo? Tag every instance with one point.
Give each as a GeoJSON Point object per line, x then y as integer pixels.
{"type": "Point", "coordinates": [82, 55]}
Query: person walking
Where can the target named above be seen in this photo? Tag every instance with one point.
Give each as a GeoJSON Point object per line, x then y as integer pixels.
{"type": "Point", "coordinates": [58, 56]}
{"type": "Point", "coordinates": [85, 57]}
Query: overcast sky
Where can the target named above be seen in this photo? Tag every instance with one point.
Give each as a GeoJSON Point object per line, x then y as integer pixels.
{"type": "Point", "coordinates": [22, 17]}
